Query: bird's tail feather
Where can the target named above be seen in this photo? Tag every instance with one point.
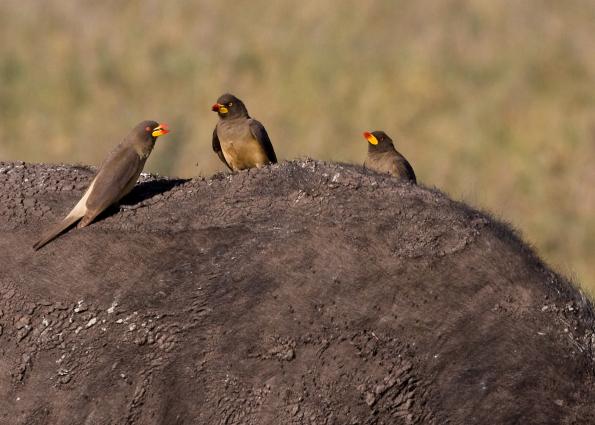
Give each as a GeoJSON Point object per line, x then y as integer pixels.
{"type": "Point", "coordinates": [57, 230]}
{"type": "Point", "coordinates": [78, 212]}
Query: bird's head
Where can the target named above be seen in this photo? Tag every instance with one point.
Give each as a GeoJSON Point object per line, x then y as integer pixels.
{"type": "Point", "coordinates": [378, 140]}
{"type": "Point", "coordinates": [150, 130]}
{"type": "Point", "coordinates": [229, 106]}
{"type": "Point", "coordinates": [143, 136]}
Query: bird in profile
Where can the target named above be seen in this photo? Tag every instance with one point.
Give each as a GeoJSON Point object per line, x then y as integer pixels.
{"type": "Point", "coordinates": [240, 142]}
{"type": "Point", "coordinates": [384, 158]}
{"type": "Point", "coordinates": [116, 178]}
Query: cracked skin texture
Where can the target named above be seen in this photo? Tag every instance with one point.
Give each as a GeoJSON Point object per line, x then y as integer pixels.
{"type": "Point", "coordinates": [300, 293]}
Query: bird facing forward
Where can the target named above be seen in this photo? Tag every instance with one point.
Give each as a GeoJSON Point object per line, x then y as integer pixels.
{"type": "Point", "coordinates": [116, 177]}
{"type": "Point", "coordinates": [384, 158]}
{"type": "Point", "coordinates": [240, 142]}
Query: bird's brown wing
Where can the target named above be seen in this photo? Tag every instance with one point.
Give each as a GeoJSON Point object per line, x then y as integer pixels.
{"type": "Point", "coordinates": [393, 163]}
{"type": "Point", "coordinates": [260, 134]}
{"type": "Point", "coordinates": [117, 175]}
{"type": "Point", "coordinates": [217, 148]}
{"type": "Point", "coordinates": [409, 171]}
{"type": "Point", "coordinates": [405, 169]}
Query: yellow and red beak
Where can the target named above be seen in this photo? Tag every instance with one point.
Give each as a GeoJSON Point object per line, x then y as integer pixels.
{"type": "Point", "coordinates": [160, 130]}
{"type": "Point", "coordinates": [370, 138]}
{"type": "Point", "coordinates": [217, 107]}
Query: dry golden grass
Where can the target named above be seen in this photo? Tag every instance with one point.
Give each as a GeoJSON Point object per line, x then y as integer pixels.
{"type": "Point", "coordinates": [493, 102]}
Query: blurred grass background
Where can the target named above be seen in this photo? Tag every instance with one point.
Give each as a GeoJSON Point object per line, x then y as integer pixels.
{"type": "Point", "coordinates": [492, 101]}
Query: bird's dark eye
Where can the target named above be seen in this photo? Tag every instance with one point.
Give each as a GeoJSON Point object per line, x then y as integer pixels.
{"type": "Point", "coordinates": [230, 104]}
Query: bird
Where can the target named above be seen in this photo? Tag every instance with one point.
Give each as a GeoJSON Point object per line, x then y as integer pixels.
{"type": "Point", "coordinates": [116, 178]}
{"type": "Point", "coordinates": [384, 158]}
{"type": "Point", "coordinates": [240, 141]}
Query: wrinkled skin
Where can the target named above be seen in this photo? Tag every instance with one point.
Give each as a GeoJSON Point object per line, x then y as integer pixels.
{"type": "Point", "coordinates": [300, 293]}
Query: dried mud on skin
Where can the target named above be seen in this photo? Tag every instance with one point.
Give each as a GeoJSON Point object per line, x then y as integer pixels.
{"type": "Point", "coordinates": [301, 293]}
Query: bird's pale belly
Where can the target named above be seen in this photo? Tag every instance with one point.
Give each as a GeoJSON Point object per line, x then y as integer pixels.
{"type": "Point", "coordinates": [245, 154]}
